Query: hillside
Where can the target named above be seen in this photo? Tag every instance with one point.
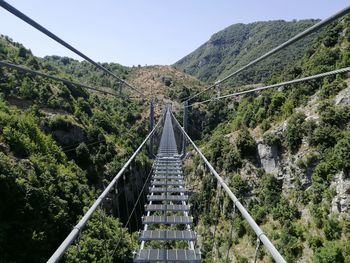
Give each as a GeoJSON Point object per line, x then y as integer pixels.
{"type": "Point", "coordinates": [165, 83]}
{"type": "Point", "coordinates": [238, 44]}
{"type": "Point", "coordinates": [160, 82]}
{"type": "Point", "coordinates": [286, 154]}
{"type": "Point", "coordinates": [59, 146]}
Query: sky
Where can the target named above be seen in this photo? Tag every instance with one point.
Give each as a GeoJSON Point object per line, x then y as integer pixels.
{"type": "Point", "coordinates": [144, 32]}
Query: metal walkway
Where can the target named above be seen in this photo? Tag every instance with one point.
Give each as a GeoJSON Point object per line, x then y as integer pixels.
{"type": "Point", "coordinates": [167, 208]}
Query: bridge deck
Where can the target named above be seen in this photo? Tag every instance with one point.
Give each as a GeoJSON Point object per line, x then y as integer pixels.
{"type": "Point", "coordinates": [167, 187]}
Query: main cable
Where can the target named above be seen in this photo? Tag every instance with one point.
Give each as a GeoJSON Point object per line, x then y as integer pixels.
{"type": "Point", "coordinates": [292, 40]}
{"type": "Point", "coordinates": [65, 81]}
{"type": "Point", "coordinates": [321, 75]}
{"type": "Point", "coordinates": [42, 29]}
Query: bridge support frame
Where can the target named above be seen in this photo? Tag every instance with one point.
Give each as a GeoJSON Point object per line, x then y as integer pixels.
{"type": "Point", "coordinates": [151, 126]}
{"type": "Point", "coordinates": [120, 89]}
{"type": "Point", "coordinates": [184, 125]}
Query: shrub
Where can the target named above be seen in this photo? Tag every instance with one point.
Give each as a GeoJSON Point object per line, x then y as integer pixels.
{"type": "Point", "coordinates": [239, 186]}
{"type": "Point", "coordinates": [59, 122]}
{"type": "Point", "coordinates": [271, 139]}
{"type": "Point", "coordinates": [331, 228]}
{"type": "Point", "coordinates": [233, 160]}
{"type": "Point", "coordinates": [342, 153]}
{"type": "Point", "coordinates": [324, 136]}
{"type": "Point", "coordinates": [245, 143]}
{"type": "Point", "coordinates": [330, 253]}
{"type": "Point", "coordinates": [276, 103]}
{"type": "Point", "coordinates": [294, 131]}
{"type": "Point", "coordinates": [315, 242]}
{"type": "Point", "coordinates": [333, 115]}
{"type": "Point", "coordinates": [269, 190]}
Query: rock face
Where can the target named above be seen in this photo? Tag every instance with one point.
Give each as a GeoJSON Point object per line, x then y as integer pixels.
{"type": "Point", "coordinates": [269, 158]}
{"type": "Point", "coordinates": [284, 167]}
{"type": "Point", "coordinates": [343, 97]}
{"type": "Point", "coordinates": [341, 201]}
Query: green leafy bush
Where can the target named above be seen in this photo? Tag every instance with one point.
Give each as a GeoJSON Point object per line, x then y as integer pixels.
{"type": "Point", "coordinates": [294, 132]}
{"type": "Point", "coordinates": [245, 143]}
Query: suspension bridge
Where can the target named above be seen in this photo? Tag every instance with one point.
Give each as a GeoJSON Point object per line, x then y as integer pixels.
{"type": "Point", "coordinates": [168, 234]}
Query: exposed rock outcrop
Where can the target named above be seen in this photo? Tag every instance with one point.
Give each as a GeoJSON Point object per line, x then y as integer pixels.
{"type": "Point", "coordinates": [341, 201]}
{"type": "Point", "coordinates": [343, 97]}
{"type": "Point", "coordinates": [269, 157]}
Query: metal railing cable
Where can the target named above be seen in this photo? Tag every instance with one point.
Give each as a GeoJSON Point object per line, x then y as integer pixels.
{"type": "Point", "coordinates": [132, 211]}
{"type": "Point", "coordinates": [45, 75]}
{"type": "Point", "coordinates": [42, 29]}
{"type": "Point", "coordinates": [87, 144]}
{"type": "Point", "coordinates": [285, 83]}
{"type": "Point", "coordinates": [245, 214]}
{"type": "Point", "coordinates": [77, 229]}
{"type": "Point", "coordinates": [292, 40]}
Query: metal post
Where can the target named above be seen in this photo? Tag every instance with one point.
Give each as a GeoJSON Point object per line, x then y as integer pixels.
{"type": "Point", "coordinates": [120, 89]}
{"type": "Point", "coordinates": [257, 250]}
{"type": "Point", "coordinates": [151, 124]}
{"type": "Point", "coordinates": [184, 124]}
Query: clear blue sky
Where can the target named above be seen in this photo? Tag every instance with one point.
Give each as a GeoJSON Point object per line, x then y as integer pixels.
{"type": "Point", "coordinates": [133, 32]}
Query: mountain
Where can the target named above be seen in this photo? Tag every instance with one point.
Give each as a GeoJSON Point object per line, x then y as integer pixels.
{"type": "Point", "coordinates": [238, 44]}
{"type": "Point", "coordinates": [285, 154]}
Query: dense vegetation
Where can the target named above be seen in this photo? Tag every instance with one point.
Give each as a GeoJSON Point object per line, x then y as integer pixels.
{"type": "Point", "coordinates": [59, 146]}
{"type": "Point", "coordinates": [310, 134]}
{"type": "Point", "coordinates": [238, 44]}
{"type": "Point", "coordinates": [85, 72]}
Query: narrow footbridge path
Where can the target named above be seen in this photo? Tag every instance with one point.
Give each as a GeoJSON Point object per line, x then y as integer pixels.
{"type": "Point", "coordinates": [167, 223]}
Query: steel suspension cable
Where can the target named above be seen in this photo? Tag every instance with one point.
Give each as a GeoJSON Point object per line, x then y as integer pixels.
{"type": "Point", "coordinates": [132, 211]}
{"type": "Point", "coordinates": [42, 29]}
{"type": "Point", "coordinates": [292, 40]}
{"type": "Point", "coordinates": [76, 230]}
{"type": "Point", "coordinates": [294, 81]}
{"type": "Point", "coordinates": [245, 214]}
{"type": "Point", "coordinates": [42, 74]}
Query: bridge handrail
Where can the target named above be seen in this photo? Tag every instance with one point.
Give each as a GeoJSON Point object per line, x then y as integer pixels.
{"type": "Point", "coordinates": [77, 229]}
{"type": "Point", "coordinates": [258, 231]}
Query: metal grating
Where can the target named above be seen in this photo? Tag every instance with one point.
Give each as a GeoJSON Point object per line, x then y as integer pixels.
{"type": "Point", "coordinates": [168, 255]}
{"type": "Point", "coordinates": [173, 198]}
{"type": "Point", "coordinates": [168, 172]}
{"type": "Point", "coordinates": [167, 220]}
{"type": "Point", "coordinates": [180, 183]}
{"type": "Point", "coordinates": [167, 190]}
{"type": "Point", "coordinates": [168, 177]}
{"type": "Point", "coordinates": [170, 208]}
{"type": "Point", "coordinates": [158, 168]}
{"type": "Point", "coordinates": [168, 235]}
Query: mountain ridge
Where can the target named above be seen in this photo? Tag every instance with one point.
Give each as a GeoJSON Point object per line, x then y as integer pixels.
{"type": "Point", "coordinates": [238, 44]}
